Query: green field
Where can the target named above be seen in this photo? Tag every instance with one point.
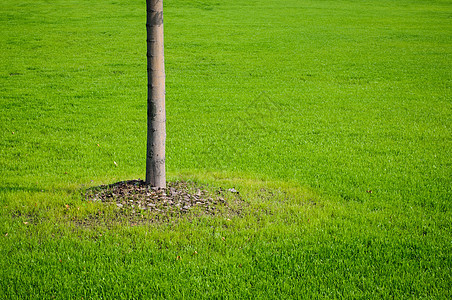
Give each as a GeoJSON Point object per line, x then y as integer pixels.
{"type": "Point", "coordinates": [333, 119]}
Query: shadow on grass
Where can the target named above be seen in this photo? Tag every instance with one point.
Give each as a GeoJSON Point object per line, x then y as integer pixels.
{"type": "Point", "coordinates": [13, 189]}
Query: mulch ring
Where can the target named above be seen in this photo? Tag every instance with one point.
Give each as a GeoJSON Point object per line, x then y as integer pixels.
{"type": "Point", "coordinates": [137, 201]}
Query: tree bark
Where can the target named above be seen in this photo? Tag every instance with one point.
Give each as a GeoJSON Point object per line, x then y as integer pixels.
{"type": "Point", "coordinates": [156, 124]}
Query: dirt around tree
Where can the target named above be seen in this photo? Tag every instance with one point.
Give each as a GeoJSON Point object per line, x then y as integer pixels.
{"type": "Point", "coordinates": [138, 202]}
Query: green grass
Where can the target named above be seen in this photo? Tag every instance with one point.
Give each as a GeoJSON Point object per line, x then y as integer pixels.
{"type": "Point", "coordinates": [303, 106]}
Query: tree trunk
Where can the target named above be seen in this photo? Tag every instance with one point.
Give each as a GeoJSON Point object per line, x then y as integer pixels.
{"type": "Point", "coordinates": [155, 153]}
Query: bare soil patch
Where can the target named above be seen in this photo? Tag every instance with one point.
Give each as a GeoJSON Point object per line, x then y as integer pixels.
{"type": "Point", "coordinates": [137, 202]}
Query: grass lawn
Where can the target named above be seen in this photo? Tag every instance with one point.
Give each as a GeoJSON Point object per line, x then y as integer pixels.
{"type": "Point", "coordinates": [331, 118]}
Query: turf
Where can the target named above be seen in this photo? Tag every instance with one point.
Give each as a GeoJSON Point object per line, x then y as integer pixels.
{"type": "Point", "coordinates": [331, 118]}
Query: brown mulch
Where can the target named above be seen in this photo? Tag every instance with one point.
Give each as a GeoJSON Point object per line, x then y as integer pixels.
{"type": "Point", "coordinates": [135, 200]}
